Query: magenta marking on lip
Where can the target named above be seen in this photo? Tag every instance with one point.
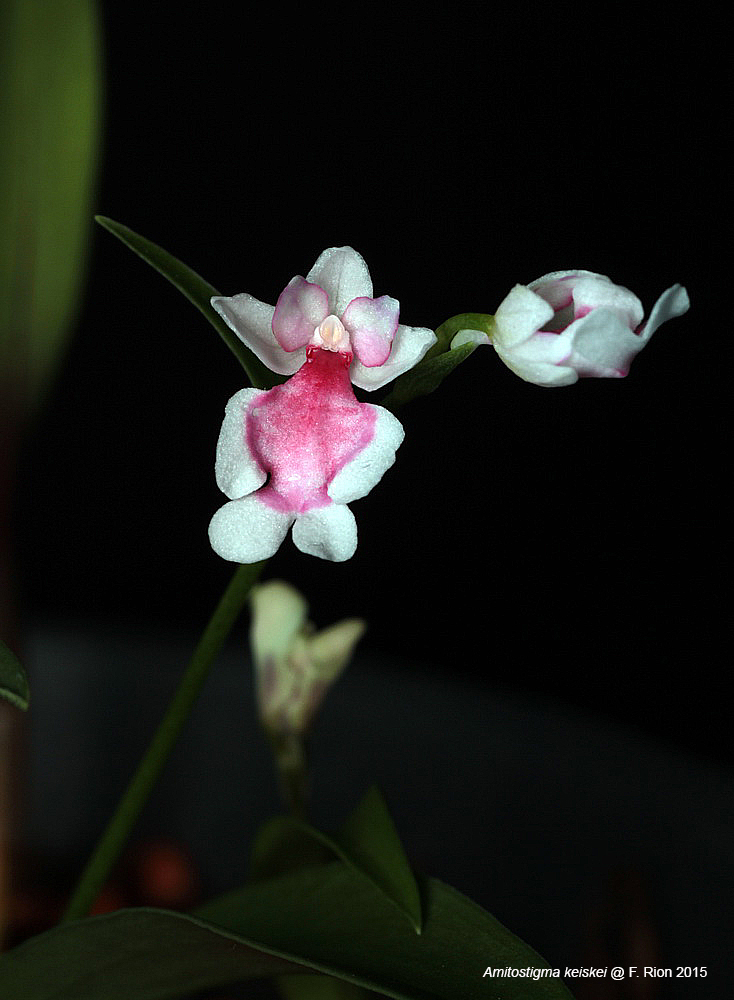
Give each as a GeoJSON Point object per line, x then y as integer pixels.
{"type": "Point", "coordinates": [304, 431]}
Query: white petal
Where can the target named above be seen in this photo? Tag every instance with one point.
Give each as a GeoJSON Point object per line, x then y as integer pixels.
{"type": "Point", "coordinates": [603, 344]}
{"type": "Point", "coordinates": [409, 346]}
{"type": "Point", "coordinates": [252, 321]}
{"type": "Point", "coordinates": [673, 302]}
{"type": "Point", "coordinates": [247, 530]}
{"type": "Point", "coordinates": [367, 468]}
{"type": "Point", "coordinates": [518, 316]}
{"type": "Point", "coordinates": [558, 285]}
{"type": "Point", "coordinates": [343, 275]}
{"type": "Point", "coordinates": [559, 275]}
{"type": "Point", "coordinates": [327, 532]}
{"type": "Point", "coordinates": [597, 292]}
{"type": "Point", "coordinates": [237, 470]}
{"type": "Point", "coordinates": [331, 649]}
{"type": "Point", "coordinates": [469, 337]}
{"type": "Point", "coordinates": [278, 614]}
{"type": "Point", "coordinates": [540, 360]}
{"type": "Point", "coordinates": [588, 290]}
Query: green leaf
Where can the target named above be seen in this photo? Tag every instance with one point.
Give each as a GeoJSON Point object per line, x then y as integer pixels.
{"type": "Point", "coordinates": [340, 924]}
{"type": "Point", "coordinates": [49, 139]}
{"type": "Point", "coordinates": [326, 919]}
{"type": "Point", "coordinates": [284, 844]}
{"type": "Point", "coordinates": [143, 953]}
{"type": "Point", "coordinates": [368, 843]}
{"type": "Point", "coordinates": [439, 362]}
{"type": "Point", "coordinates": [198, 291]}
{"type": "Point", "coordinates": [307, 986]}
{"type": "Point", "coordinates": [13, 681]}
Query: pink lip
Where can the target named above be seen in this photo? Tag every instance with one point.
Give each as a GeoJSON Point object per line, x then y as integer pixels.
{"type": "Point", "coordinates": [304, 431]}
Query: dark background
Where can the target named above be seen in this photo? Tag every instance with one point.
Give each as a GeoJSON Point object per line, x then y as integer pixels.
{"type": "Point", "coordinates": [549, 541]}
{"type": "Point", "coordinates": [540, 692]}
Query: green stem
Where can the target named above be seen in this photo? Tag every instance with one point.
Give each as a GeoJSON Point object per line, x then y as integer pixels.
{"type": "Point", "coordinates": [291, 765]}
{"type": "Point", "coordinates": [118, 829]}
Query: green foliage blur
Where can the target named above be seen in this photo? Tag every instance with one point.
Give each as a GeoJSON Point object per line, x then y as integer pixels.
{"type": "Point", "coordinates": [49, 137]}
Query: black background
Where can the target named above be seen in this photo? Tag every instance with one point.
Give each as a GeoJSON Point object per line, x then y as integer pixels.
{"type": "Point", "coordinates": [554, 541]}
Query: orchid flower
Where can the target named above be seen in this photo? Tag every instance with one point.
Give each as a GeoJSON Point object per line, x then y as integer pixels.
{"type": "Point", "coordinates": [297, 454]}
{"type": "Point", "coordinates": [294, 665]}
{"type": "Point", "coordinates": [573, 324]}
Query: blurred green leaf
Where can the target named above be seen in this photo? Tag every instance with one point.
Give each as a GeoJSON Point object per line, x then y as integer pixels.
{"type": "Point", "coordinates": [49, 137]}
{"type": "Point", "coordinates": [198, 291]}
{"type": "Point", "coordinates": [327, 919]}
{"type": "Point", "coordinates": [13, 681]}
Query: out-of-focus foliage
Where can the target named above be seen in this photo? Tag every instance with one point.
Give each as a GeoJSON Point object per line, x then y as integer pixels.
{"type": "Point", "coordinates": [49, 128]}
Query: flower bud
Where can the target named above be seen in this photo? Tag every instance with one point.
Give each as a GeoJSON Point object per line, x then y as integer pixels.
{"type": "Point", "coordinates": [294, 664]}
{"type": "Point", "coordinates": [574, 324]}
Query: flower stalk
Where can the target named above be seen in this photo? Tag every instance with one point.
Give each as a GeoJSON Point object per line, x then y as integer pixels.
{"type": "Point", "coordinates": [291, 765]}
{"type": "Point", "coordinates": [113, 839]}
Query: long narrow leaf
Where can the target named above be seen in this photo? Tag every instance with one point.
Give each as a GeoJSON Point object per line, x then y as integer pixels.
{"type": "Point", "coordinates": [197, 290]}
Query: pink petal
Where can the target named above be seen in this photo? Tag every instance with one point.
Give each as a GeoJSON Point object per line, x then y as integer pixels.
{"type": "Point", "coordinates": [300, 308]}
{"type": "Point", "coordinates": [410, 345]}
{"type": "Point", "coordinates": [372, 324]}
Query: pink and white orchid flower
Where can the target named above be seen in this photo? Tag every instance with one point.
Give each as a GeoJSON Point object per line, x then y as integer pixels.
{"type": "Point", "coordinates": [574, 324]}
{"type": "Point", "coordinates": [297, 454]}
